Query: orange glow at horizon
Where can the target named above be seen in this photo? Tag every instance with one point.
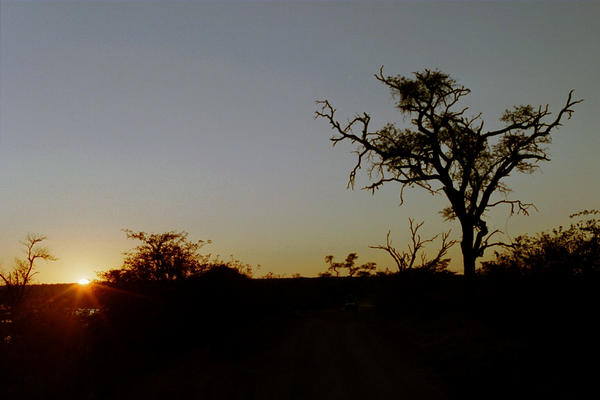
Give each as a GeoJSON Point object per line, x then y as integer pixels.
{"type": "Point", "coordinates": [83, 281]}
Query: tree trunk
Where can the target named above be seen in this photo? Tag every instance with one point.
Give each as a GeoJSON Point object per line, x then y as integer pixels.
{"type": "Point", "coordinates": [469, 263]}
{"type": "Point", "coordinates": [469, 255]}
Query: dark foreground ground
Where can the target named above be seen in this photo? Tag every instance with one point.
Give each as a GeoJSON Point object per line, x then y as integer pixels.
{"type": "Point", "coordinates": [322, 355]}
{"type": "Point", "coordinates": [412, 337]}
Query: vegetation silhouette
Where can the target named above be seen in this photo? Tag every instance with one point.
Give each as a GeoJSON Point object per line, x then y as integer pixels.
{"type": "Point", "coordinates": [562, 252]}
{"type": "Point", "coordinates": [406, 260]}
{"type": "Point", "coordinates": [349, 265]}
{"type": "Point", "coordinates": [219, 333]}
{"type": "Point", "coordinates": [170, 256]}
{"type": "Point", "coordinates": [449, 151]}
{"type": "Point", "coordinates": [160, 257]}
{"type": "Point", "coordinates": [17, 280]}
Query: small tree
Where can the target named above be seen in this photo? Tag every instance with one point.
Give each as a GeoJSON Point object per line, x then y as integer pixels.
{"type": "Point", "coordinates": [450, 152]}
{"type": "Point", "coordinates": [349, 265]}
{"type": "Point", "coordinates": [22, 274]}
{"type": "Point", "coordinates": [160, 257]}
{"type": "Point", "coordinates": [406, 260]}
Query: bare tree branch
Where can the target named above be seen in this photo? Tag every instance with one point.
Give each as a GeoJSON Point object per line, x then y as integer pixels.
{"type": "Point", "coordinates": [406, 260]}
{"type": "Point", "coordinates": [22, 274]}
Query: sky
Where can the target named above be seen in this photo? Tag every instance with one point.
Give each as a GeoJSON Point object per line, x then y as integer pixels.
{"type": "Point", "coordinates": [199, 117]}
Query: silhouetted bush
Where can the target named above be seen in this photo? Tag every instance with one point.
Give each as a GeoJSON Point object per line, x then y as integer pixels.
{"type": "Point", "coordinates": [568, 251]}
{"type": "Point", "coordinates": [223, 271]}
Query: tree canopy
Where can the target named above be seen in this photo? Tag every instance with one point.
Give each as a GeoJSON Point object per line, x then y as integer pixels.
{"type": "Point", "coordinates": [160, 257]}
{"type": "Point", "coordinates": [171, 256]}
{"type": "Point", "coordinates": [447, 150]}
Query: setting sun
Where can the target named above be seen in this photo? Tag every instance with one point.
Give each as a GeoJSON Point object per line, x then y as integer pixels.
{"type": "Point", "coordinates": [83, 281]}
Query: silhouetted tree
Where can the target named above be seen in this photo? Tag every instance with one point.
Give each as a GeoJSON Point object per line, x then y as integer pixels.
{"type": "Point", "coordinates": [171, 256]}
{"type": "Point", "coordinates": [571, 251]}
{"type": "Point", "coordinates": [17, 280]}
{"type": "Point", "coordinates": [348, 265]}
{"type": "Point", "coordinates": [448, 151]}
{"type": "Point", "coordinates": [160, 257]}
{"type": "Point", "coordinates": [406, 260]}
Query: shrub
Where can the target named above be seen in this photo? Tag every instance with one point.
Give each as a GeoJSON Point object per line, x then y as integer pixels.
{"type": "Point", "coordinates": [563, 251]}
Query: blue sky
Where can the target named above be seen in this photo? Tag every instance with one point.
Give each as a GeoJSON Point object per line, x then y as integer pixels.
{"type": "Point", "coordinates": [199, 116]}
